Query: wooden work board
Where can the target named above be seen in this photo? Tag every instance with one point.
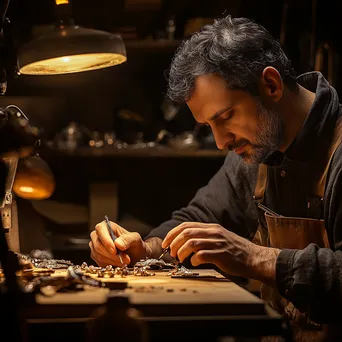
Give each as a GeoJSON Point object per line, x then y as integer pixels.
{"type": "Point", "coordinates": [162, 295]}
{"type": "Point", "coordinates": [193, 308]}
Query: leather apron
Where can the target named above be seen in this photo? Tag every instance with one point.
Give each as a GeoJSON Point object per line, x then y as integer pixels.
{"type": "Point", "coordinates": [294, 233]}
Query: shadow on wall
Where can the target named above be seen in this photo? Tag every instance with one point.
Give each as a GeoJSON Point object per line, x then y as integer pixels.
{"type": "Point", "coordinates": [51, 113]}
{"type": "Point", "coordinates": [47, 113]}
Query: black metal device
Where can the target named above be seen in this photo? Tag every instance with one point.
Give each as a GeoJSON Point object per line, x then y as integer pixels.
{"type": "Point", "coordinates": [8, 53]}
{"type": "Point", "coordinates": [16, 138]}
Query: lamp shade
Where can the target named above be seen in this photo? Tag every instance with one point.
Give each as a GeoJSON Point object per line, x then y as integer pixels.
{"type": "Point", "coordinates": [70, 49]}
{"type": "Point", "coordinates": [33, 179]}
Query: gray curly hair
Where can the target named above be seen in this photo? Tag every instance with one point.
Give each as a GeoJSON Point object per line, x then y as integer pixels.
{"type": "Point", "coordinates": [238, 49]}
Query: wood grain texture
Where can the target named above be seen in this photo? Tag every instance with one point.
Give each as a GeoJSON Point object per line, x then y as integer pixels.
{"type": "Point", "coordinates": [161, 295]}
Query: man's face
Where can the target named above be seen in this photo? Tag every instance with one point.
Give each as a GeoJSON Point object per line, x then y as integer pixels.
{"type": "Point", "coordinates": [238, 120]}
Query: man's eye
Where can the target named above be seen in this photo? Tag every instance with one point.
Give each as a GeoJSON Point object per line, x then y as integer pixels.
{"type": "Point", "coordinates": [226, 115]}
{"type": "Point", "coordinates": [204, 124]}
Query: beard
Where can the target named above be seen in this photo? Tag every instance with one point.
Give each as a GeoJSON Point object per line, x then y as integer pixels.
{"type": "Point", "coordinates": [270, 135]}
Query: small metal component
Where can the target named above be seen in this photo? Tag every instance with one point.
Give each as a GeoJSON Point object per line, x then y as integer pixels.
{"type": "Point", "coordinates": [122, 271]}
{"type": "Point", "coordinates": [38, 279]}
{"type": "Point", "coordinates": [45, 263]}
{"type": "Point", "coordinates": [40, 254]}
{"type": "Point", "coordinates": [107, 274]}
{"type": "Point", "coordinates": [143, 267]}
{"type": "Point", "coordinates": [166, 250]}
{"type": "Point", "coordinates": [93, 269]}
{"type": "Point", "coordinates": [182, 271]}
{"type": "Point", "coordinates": [78, 275]}
{"type": "Point", "coordinates": [156, 264]}
{"type": "Point", "coordinates": [84, 265]}
{"type": "Point", "coordinates": [109, 268]}
{"type": "Point", "coordinates": [142, 271]}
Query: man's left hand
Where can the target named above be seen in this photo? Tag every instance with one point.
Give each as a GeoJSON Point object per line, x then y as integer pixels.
{"type": "Point", "coordinates": [213, 244]}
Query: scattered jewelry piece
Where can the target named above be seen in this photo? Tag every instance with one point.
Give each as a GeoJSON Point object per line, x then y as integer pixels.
{"type": "Point", "coordinates": [35, 274]}
{"type": "Point", "coordinates": [182, 271]}
{"type": "Point", "coordinates": [154, 264]}
{"type": "Point", "coordinates": [105, 272]}
{"type": "Point", "coordinates": [142, 271]}
{"type": "Point", "coordinates": [45, 263]}
{"type": "Point", "coordinates": [123, 271]}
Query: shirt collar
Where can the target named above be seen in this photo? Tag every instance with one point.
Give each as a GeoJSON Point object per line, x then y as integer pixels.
{"type": "Point", "coordinates": [318, 124]}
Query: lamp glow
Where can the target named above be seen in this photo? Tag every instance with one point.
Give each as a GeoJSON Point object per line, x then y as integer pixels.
{"type": "Point", "coordinates": [70, 49]}
{"type": "Point", "coordinates": [71, 64]}
{"type": "Point", "coordinates": [26, 189]}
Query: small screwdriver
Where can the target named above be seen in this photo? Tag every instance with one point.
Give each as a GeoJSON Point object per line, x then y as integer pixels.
{"type": "Point", "coordinates": [166, 250]}
{"type": "Point", "coordinates": [112, 235]}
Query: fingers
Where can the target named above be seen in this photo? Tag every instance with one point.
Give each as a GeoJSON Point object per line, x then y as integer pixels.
{"type": "Point", "coordinates": [104, 250]}
{"type": "Point", "coordinates": [102, 233]}
{"type": "Point", "coordinates": [100, 247]}
{"type": "Point", "coordinates": [100, 260]}
{"type": "Point", "coordinates": [103, 255]}
{"type": "Point", "coordinates": [107, 259]}
{"type": "Point", "coordinates": [171, 235]}
{"type": "Point", "coordinates": [195, 245]}
{"type": "Point", "coordinates": [126, 241]}
{"type": "Point", "coordinates": [204, 257]}
{"type": "Point", "coordinates": [184, 236]}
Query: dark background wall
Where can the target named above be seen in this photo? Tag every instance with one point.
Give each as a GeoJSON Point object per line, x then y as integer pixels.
{"type": "Point", "coordinates": [140, 83]}
{"type": "Point", "coordinates": [151, 190]}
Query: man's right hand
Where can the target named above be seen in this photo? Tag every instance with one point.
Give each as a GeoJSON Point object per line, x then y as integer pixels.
{"type": "Point", "coordinates": [104, 250]}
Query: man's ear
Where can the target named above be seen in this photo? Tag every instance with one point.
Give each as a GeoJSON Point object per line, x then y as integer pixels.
{"type": "Point", "coordinates": [271, 84]}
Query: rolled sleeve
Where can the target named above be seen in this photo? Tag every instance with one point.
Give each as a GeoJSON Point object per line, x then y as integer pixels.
{"type": "Point", "coordinates": [312, 280]}
{"type": "Point", "coordinates": [284, 271]}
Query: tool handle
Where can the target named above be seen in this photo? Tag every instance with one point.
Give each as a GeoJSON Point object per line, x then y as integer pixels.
{"type": "Point", "coordinates": [113, 236]}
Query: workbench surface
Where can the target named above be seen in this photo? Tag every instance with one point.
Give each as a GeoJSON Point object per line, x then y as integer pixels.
{"type": "Point", "coordinates": [212, 293]}
{"type": "Point", "coordinates": [193, 306]}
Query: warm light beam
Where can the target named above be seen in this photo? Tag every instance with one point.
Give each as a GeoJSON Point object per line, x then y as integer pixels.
{"type": "Point", "coordinates": [62, 2]}
{"type": "Point", "coordinates": [70, 64]}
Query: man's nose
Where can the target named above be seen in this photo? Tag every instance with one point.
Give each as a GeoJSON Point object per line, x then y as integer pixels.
{"type": "Point", "coordinates": [221, 140]}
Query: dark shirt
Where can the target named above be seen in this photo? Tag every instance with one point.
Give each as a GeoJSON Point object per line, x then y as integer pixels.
{"type": "Point", "coordinates": [310, 278]}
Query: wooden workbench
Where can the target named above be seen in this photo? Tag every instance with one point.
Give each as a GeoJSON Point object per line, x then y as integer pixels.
{"type": "Point", "coordinates": [193, 305]}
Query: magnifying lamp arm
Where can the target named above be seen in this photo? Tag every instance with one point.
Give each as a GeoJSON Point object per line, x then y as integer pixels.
{"type": "Point", "coordinates": [8, 53]}
{"type": "Point", "coordinates": [3, 11]}
{"type": "Point", "coordinates": [6, 207]}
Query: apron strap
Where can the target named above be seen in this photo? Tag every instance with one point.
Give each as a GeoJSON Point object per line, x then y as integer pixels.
{"type": "Point", "coordinates": [261, 184]}
{"type": "Point", "coordinates": [336, 141]}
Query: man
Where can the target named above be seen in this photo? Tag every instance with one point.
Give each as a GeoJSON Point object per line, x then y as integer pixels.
{"type": "Point", "coordinates": [284, 136]}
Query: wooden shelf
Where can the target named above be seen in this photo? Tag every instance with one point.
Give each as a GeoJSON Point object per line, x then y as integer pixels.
{"type": "Point", "coordinates": [147, 152]}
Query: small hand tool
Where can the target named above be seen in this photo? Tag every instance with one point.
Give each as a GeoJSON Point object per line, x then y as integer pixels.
{"type": "Point", "coordinates": [268, 210]}
{"type": "Point", "coordinates": [112, 235]}
{"type": "Point", "coordinates": [166, 250]}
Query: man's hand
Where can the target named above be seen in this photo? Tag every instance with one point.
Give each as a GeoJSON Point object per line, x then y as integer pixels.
{"type": "Point", "coordinates": [104, 250]}
{"type": "Point", "coordinates": [213, 244]}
